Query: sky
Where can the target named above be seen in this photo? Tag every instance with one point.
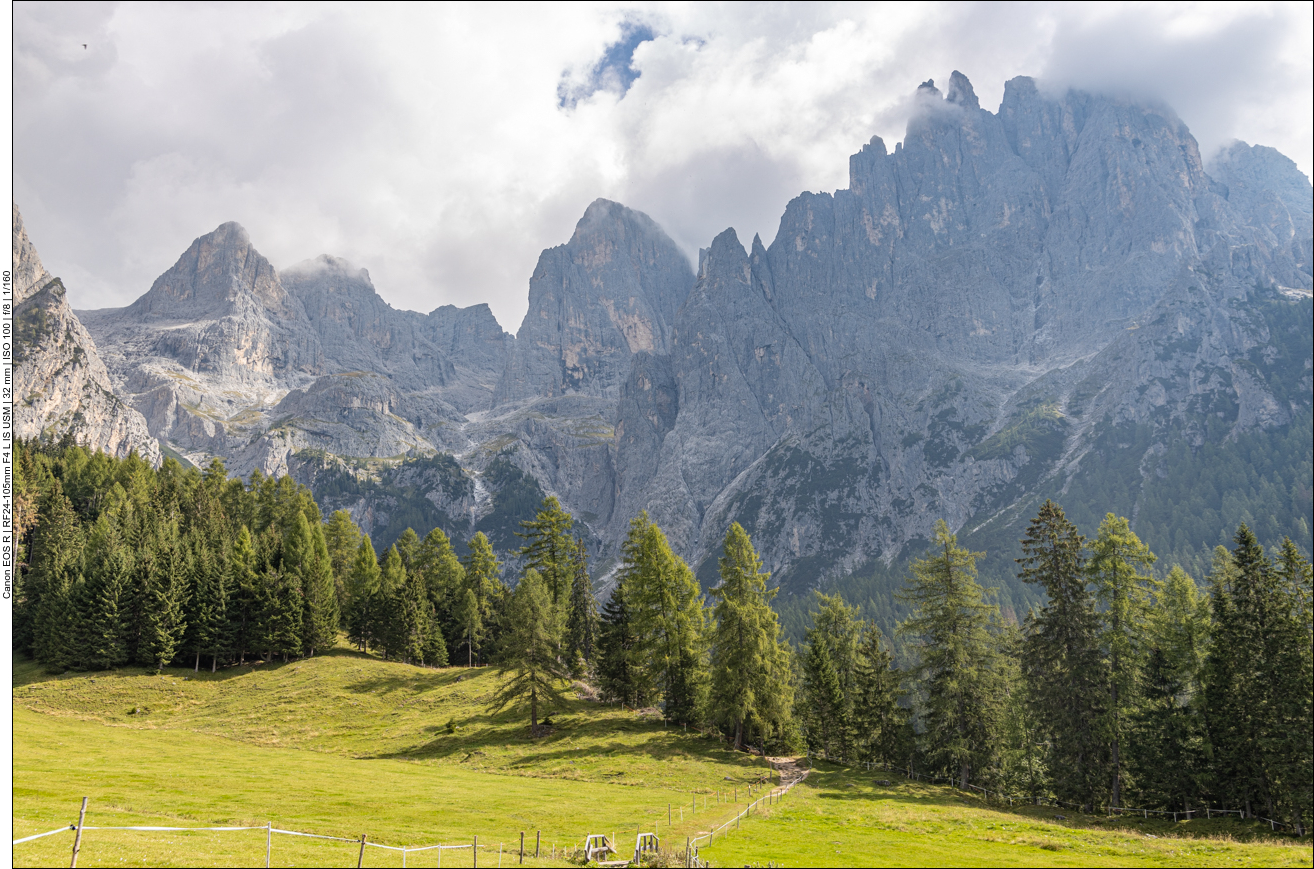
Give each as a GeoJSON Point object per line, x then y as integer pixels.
{"type": "Point", "coordinates": [443, 147]}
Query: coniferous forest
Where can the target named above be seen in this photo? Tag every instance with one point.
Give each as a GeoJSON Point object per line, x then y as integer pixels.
{"type": "Point", "coordinates": [1130, 685]}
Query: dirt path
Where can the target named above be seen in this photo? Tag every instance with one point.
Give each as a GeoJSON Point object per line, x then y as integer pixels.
{"type": "Point", "coordinates": [790, 772]}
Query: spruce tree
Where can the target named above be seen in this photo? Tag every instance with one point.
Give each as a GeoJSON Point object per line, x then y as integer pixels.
{"type": "Point", "coordinates": [529, 660]}
{"type": "Point", "coordinates": [245, 600]}
{"type": "Point", "coordinates": [550, 549]}
{"type": "Point", "coordinates": [391, 605]}
{"type": "Point", "coordinates": [164, 588]}
{"type": "Point", "coordinates": [582, 622]}
{"type": "Point", "coordinates": [1116, 567]}
{"type": "Point", "coordinates": [825, 698]}
{"type": "Point", "coordinates": [956, 671]}
{"type": "Point", "coordinates": [880, 723]}
{"type": "Point", "coordinates": [342, 537]}
{"type": "Point", "coordinates": [444, 582]}
{"type": "Point", "coordinates": [616, 648]}
{"type": "Point", "coordinates": [102, 638]}
{"type": "Point", "coordinates": [1296, 688]}
{"type": "Point", "coordinates": [750, 666]}
{"type": "Point", "coordinates": [837, 625]}
{"type": "Point", "coordinates": [1062, 663]}
{"type": "Point", "coordinates": [49, 587]}
{"type": "Point", "coordinates": [207, 609]}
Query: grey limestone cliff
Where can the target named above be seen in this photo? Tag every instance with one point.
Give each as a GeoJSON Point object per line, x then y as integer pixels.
{"type": "Point", "coordinates": [61, 386]}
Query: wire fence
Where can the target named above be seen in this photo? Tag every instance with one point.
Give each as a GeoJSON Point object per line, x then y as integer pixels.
{"type": "Point", "coordinates": [270, 831]}
{"type": "Point", "coordinates": [1001, 798]}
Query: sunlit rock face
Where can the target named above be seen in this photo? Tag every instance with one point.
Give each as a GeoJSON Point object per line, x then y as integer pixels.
{"type": "Point", "coordinates": [61, 386]}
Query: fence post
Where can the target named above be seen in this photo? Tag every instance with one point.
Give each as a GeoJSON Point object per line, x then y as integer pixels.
{"type": "Point", "coordinates": [269, 841]}
{"type": "Point", "coordinates": [538, 840]}
{"type": "Point", "coordinates": [77, 838]}
{"type": "Point", "coordinates": [474, 853]}
{"type": "Point", "coordinates": [360, 860]}
{"type": "Point", "coordinates": [522, 846]}
{"type": "Point", "coordinates": [668, 814]}
{"type": "Point", "coordinates": [686, 852]}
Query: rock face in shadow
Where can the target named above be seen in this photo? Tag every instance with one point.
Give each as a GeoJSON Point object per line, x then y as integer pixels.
{"type": "Point", "coordinates": [61, 385]}
{"type": "Point", "coordinates": [1042, 300]}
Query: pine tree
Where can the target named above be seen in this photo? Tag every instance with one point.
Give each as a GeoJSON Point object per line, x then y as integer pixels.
{"type": "Point", "coordinates": [1295, 693]}
{"type": "Point", "coordinates": [1062, 663]}
{"type": "Point", "coordinates": [750, 666]}
{"type": "Point", "coordinates": [666, 614]}
{"type": "Point", "coordinates": [950, 625]}
{"type": "Point", "coordinates": [207, 609]}
{"type": "Point", "coordinates": [1117, 557]}
{"type": "Point", "coordinates": [550, 549]}
{"type": "Point", "coordinates": [306, 555]}
{"type": "Point", "coordinates": [616, 647]}
{"type": "Point", "coordinates": [244, 584]}
{"type": "Point", "coordinates": [391, 605]}
{"type": "Point", "coordinates": [49, 587]}
{"type": "Point", "coordinates": [444, 582]}
{"type": "Point", "coordinates": [582, 623]}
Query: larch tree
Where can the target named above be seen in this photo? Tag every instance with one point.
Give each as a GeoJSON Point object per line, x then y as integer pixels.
{"type": "Point", "coordinates": [550, 549]}
{"type": "Point", "coordinates": [529, 660]}
{"type": "Point", "coordinates": [950, 628]}
{"type": "Point", "coordinates": [749, 664]}
{"type": "Point", "coordinates": [666, 611]}
{"type": "Point", "coordinates": [1118, 569]}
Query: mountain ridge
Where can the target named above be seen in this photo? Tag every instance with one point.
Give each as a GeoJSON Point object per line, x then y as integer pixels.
{"type": "Point", "coordinates": [953, 334]}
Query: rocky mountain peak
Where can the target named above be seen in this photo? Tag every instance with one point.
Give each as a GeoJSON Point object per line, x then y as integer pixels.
{"type": "Point", "coordinates": [220, 274]}
{"type": "Point", "coordinates": [961, 93]}
{"type": "Point", "coordinates": [611, 291]}
{"type": "Point", "coordinates": [29, 273]}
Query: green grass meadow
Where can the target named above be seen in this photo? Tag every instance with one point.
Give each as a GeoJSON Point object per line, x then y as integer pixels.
{"type": "Point", "coordinates": [345, 744]}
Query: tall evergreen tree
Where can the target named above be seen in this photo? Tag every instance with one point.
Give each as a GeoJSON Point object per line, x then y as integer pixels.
{"type": "Point", "coordinates": [163, 585]}
{"type": "Point", "coordinates": [444, 582]}
{"type": "Point", "coordinates": [342, 537]}
{"type": "Point", "coordinates": [550, 549]}
{"type": "Point", "coordinates": [102, 641]}
{"type": "Point", "coordinates": [666, 612]}
{"type": "Point", "coordinates": [616, 648]}
{"type": "Point", "coordinates": [1117, 565]}
{"type": "Point", "coordinates": [1062, 663]}
{"type": "Point", "coordinates": [956, 671]}
{"type": "Point", "coordinates": [582, 621]}
{"type": "Point", "coordinates": [529, 660]}
{"type": "Point", "coordinates": [483, 576]}
{"type": "Point", "coordinates": [750, 666]}
{"type": "Point", "coordinates": [391, 605]}
{"type": "Point", "coordinates": [207, 609]}
{"type": "Point", "coordinates": [244, 609]}
{"type": "Point", "coordinates": [882, 726]}
{"type": "Point", "coordinates": [472, 624]}
{"type": "Point", "coordinates": [837, 625]}
{"type": "Point", "coordinates": [362, 590]}
{"type": "Point", "coordinates": [825, 698]}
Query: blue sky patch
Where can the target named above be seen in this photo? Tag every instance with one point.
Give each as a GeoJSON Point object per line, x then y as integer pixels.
{"type": "Point", "coordinates": [614, 70]}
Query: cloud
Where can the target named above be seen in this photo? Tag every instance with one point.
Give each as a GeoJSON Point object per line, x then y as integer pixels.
{"type": "Point", "coordinates": [614, 71]}
{"type": "Point", "coordinates": [444, 148]}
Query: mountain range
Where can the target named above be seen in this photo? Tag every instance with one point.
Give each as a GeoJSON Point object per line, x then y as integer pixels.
{"type": "Point", "coordinates": [1057, 299]}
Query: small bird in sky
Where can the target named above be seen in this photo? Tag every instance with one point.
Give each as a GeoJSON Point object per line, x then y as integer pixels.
{"type": "Point", "coordinates": [84, 45]}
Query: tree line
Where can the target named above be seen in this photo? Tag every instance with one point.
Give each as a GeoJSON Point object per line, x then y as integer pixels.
{"type": "Point", "coordinates": [1121, 688]}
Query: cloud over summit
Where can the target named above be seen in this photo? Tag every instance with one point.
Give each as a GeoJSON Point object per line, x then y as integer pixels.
{"type": "Point", "coordinates": [442, 148]}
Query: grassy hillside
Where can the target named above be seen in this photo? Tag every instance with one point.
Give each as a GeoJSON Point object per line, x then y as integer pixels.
{"type": "Point", "coordinates": [840, 817]}
{"type": "Point", "coordinates": [344, 744]}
